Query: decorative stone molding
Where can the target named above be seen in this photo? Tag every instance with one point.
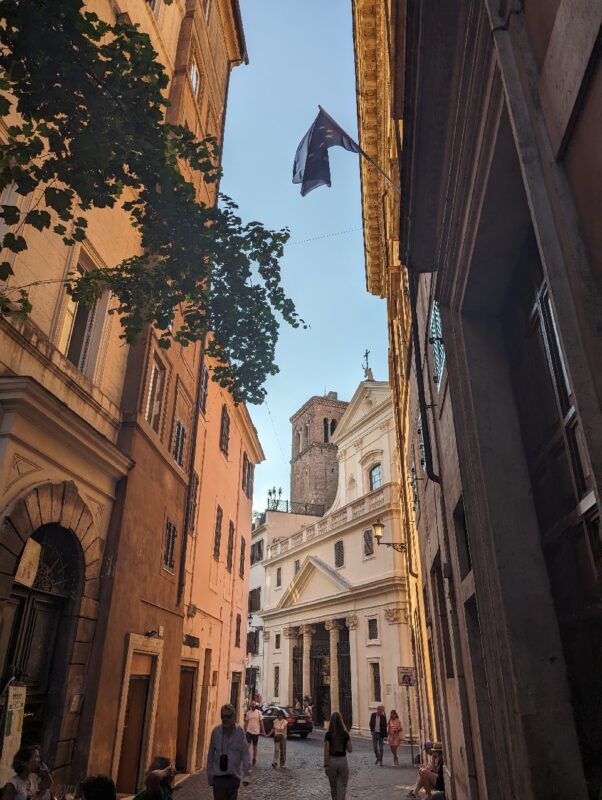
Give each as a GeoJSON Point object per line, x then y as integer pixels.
{"type": "Point", "coordinates": [308, 630]}
{"type": "Point", "coordinates": [19, 467]}
{"type": "Point", "coordinates": [290, 632]}
{"type": "Point", "coordinates": [394, 615]}
{"type": "Point", "coordinates": [266, 636]}
{"type": "Point", "coordinates": [352, 621]}
{"type": "Point", "coordinates": [358, 444]}
{"type": "Point", "coordinates": [333, 625]}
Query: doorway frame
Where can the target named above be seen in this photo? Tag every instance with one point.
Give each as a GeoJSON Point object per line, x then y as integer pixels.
{"type": "Point", "coordinates": [193, 734]}
{"type": "Point", "coordinates": [145, 646]}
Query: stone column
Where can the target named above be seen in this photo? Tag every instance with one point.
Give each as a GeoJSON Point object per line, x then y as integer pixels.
{"type": "Point", "coordinates": [333, 626]}
{"type": "Point", "coordinates": [290, 635]}
{"type": "Point", "coordinates": [308, 632]}
{"type": "Point", "coordinates": [352, 622]}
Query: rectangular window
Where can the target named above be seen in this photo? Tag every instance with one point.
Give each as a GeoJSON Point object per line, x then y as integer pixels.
{"type": "Point", "coordinates": [179, 443]}
{"type": "Point", "coordinates": [154, 398]}
{"type": "Point", "coordinates": [462, 540]}
{"type": "Point", "coordinates": [253, 643]}
{"type": "Point", "coordinates": [376, 480]}
{"type": "Point", "coordinates": [217, 539]}
{"type": "Point", "coordinates": [277, 642]}
{"type": "Point", "coordinates": [368, 543]}
{"type": "Point", "coordinates": [257, 552]}
{"type": "Point", "coordinates": [436, 340]}
{"type": "Point", "coordinates": [224, 432]}
{"type": "Point", "coordinates": [243, 557]}
{"type": "Point", "coordinates": [169, 550]}
{"type": "Point", "coordinates": [277, 681]}
{"type": "Point", "coordinates": [194, 74]}
{"type": "Point", "coordinates": [376, 691]}
{"type": "Point", "coordinates": [255, 600]}
{"type": "Point", "coordinates": [230, 554]}
{"type": "Point", "coordinates": [297, 565]}
{"type": "Point", "coordinates": [414, 480]}
{"type": "Point", "coordinates": [339, 553]}
{"type": "Point", "coordinates": [204, 390]}
{"type": "Point", "coordinates": [373, 628]}
{"type": "Point", "coordinates": [77, 329]}
{"type": "Point", "coordinates": [238, 624]}
{"type": "Point", "coordinates": [279, 576]}
{"type": "Point", "coordinates": [194, 499]}
{"type": "Point", "coordinates": [245, 472]}
{"type": "Point", "coordinates": [251, 481]}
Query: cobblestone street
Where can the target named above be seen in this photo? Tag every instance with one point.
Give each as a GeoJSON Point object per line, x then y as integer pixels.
{"type": "Point", "coordinates": [303, 777]}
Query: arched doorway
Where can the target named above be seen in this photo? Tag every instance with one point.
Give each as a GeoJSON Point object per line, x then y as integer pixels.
{"type": "Point", "coordinates": [38, 627]}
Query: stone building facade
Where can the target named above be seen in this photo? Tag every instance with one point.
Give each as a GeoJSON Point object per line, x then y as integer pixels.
{"type": "Point", "coordinates": [314, 476]}
{"type": "Point", "coordinates": [336, 605]}
{"type": "Point", "coordinates": [96, 464]}
{"type": "Point", "coordinates": [497, 108]}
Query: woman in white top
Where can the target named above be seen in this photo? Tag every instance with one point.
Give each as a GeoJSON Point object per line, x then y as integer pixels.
{"type": "Point", "coordinates": [32, 780]}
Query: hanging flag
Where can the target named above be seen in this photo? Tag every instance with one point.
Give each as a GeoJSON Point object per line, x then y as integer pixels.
{"type": "Point", "coordinates": [312, 167]}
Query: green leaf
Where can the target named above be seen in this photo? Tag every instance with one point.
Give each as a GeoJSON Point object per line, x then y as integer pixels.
{"type": "Point", "coordinates": [58, 199]}
{"type": "Point", "coordinates": [14, 243]}
{"type": "Point", "coordinates": [4, 105]}
{"type": "Point", "coordinates": [11, 214]}
{"type": "Point", "coordinates": [39, 219]}
{"type": "Point", "coordinates": [5, 270]}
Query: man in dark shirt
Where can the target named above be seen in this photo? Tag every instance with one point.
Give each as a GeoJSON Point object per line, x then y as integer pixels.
{"type": "Point", "coordinates": [378, 729]}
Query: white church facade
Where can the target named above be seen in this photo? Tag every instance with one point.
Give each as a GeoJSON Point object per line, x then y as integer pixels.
{"type": "Point", "coordinates": [335, 610]}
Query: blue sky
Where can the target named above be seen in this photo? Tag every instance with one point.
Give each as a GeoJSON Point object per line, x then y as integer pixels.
{"type": "Point", "coordinates": [301, 54]}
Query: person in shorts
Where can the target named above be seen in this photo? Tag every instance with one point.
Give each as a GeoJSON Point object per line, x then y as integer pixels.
{"type": "Point", "coordinates": [254, 727]}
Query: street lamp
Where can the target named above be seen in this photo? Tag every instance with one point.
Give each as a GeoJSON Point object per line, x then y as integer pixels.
{"type": "Point", "coordinates": [378, 529]}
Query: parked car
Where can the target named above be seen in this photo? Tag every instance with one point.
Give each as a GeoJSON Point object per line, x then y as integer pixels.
{"type": "Point", "coordinates": [299, 724]}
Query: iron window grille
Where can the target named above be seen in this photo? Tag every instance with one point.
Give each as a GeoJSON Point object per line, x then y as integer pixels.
{"type": "Point", "coordinates": [436, 340]}
{"type": "Point", "coordinates": [217, 539]}
{"type": "Point", "coordinates": [276, 681]}
{"type": "Point", "coordinates": [279, 576]}
{"type": "Point", "coordinates": [414, 480]}
{"type": "Point", "coordinates": [339, 553]}
{"type": "Point", "coordinates": [368, 543]}
{"type": "Point", "coordinates": [169, 551]}
{"type": "Point", "coordinates": [376, 690]}
{"type": "Point", "coordinates": [277, 642]}
{"type": "Point", "coordinates": [373, 629]}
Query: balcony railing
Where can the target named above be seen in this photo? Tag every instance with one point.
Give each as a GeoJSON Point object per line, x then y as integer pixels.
{"type": "Point", "coordinates": [379, 499]}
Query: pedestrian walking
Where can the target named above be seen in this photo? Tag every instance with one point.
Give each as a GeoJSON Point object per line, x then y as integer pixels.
{"type": "Point", "coordinates": [309, 709]}
{"type": "Point", "coordinates": [32, 779]}
{"type": "Point", "coordinates": [158, 782]}
{"type": "Point", "coordinates": [228, 757]}
{"type": "Point", "coordinates": [378, 729]}
{"type": "Point", "coordinates": [97, 787]}
{"type": "Point", "coordinates": [394, 735]}
{"type": "Point", "coordinates": [254, 727]}
{"type": "Point", "coordinates": [337, 744]}
{"type": "Point", "coordinates": [279, 730]}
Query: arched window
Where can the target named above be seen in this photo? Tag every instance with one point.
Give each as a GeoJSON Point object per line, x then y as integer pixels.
{"type": "Point", "coordinates": [307, 434]}
{"type": "Point", "coordinates": [299, 442]}
{"type": "Point", "coordinates": [375, 477]}
{"type": "Point", "coordinates": [326, 430]}
{"type": "Point", "coordinates": [333, 426]}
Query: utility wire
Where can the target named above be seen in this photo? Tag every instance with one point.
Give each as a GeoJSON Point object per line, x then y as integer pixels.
{"type": "Point", "coordinates": [284, 458]}
{"type": "Point", "coordinates": [323, 236]}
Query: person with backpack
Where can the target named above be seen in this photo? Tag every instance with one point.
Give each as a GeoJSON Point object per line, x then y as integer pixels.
{"type": "Point", "coordinates": [337, 743]}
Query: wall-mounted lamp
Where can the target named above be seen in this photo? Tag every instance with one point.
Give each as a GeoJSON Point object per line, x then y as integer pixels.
{"type": "Point", "coordinates": [378, 529]}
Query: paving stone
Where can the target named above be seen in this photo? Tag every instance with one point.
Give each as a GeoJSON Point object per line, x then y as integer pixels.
{"type": "Point", "coordinates": [303, 776]}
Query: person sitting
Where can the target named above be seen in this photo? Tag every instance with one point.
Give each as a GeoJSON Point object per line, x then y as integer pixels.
{"type": "Point", "coordinates": [97, 787]}
{"type": "Point", "coordinates": [158, 784]}
{"type": "Point", "coordinates": [32, 779]}
{"type": "Point", "coordinates": [430, 776]}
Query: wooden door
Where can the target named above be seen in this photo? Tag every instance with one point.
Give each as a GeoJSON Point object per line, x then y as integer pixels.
{"type": "Point", "coordinates": [185, 713]}
{"type": "Point", "coordinates": [133, 734]}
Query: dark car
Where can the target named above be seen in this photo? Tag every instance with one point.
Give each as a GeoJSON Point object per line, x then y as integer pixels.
{"type": "Point", "coordinates": [299, 724]}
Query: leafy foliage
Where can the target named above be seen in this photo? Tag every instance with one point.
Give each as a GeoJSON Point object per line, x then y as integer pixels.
{"type": "Point", "coordinates": [92, 133]}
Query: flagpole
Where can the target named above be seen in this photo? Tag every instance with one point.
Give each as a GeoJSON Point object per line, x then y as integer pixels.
{"type": "Point", "coordinates": [363, 152]}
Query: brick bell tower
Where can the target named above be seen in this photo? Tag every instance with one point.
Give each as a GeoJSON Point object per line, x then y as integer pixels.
{"type": "Point", "coordinates": [314, 465]}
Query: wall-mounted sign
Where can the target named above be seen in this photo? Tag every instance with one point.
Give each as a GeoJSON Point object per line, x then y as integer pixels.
{"type": "Point", "coordinates": [13, 728]}
{"type": "Point", "coordinates": [28, 563]}
{"type": "Point", "coordinates": [406, 676]}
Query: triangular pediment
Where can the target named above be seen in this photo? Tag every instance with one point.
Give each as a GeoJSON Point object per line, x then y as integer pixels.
{"type": "Point", "coordinates": [314, 581]}
{"type": "Point", "coordinates": [368, 400]}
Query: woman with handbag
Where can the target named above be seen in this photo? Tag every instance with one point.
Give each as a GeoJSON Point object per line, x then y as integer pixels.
{"type": "Point", "coordinates": [279, 733]}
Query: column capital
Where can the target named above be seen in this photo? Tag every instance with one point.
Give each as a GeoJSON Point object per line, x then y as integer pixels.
{"type": "Point", "coordinates": [352, 621]}
{"type": "Point", "coordinates": [395, 615]}
{"type": "Point", "coordinates": [266, 636]}
{"type": "Point", "coordinates": [308, 630]}
{"type": "Point", "coordinates": [333, 625]}
{"type": "Point", "coordinates": [290, 632]}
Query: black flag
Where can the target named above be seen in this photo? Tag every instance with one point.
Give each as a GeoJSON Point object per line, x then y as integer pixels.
{"type": "Point", "coordinates": [312, 167]}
